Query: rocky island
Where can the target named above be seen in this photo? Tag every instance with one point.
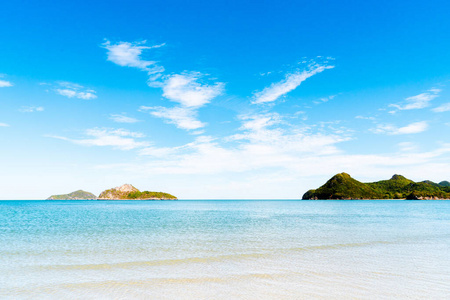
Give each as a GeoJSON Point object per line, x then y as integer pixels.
{"type": "Point", "coordinates": [129, 192]}
{"type": "Point", "coordinates": [77, 195]}
{"type": "Point", "coordinates": [343, 186]}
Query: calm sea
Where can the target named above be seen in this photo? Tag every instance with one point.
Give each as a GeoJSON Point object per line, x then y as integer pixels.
{"type": "Point", "coordinates": [225, 249]}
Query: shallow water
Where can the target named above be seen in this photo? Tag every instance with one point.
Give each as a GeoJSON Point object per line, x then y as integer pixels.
{"type": "Point", "coordinates": [224, 249]}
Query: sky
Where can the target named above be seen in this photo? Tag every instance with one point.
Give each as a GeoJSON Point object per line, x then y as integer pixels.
{"type": "Point", "coordinates": [221, 99]}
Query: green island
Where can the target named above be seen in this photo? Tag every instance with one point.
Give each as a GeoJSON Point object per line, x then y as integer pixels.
{"type": "Point", "coordinates": [124, 192]}
{"type": "Point", "coordinates": [129, 192]}
{"type": "Point", "coordinates": [77, 195]}
{"type": "Point", "coordinates": [342, 186]}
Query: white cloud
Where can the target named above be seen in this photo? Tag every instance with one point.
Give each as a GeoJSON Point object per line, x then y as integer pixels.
{"type": "Point", "coordinates": [324, 99]}
{"type": "Point", "coordinates": [205, 170]}
{"type": "Point", "coordinates": [73, 90]}
{"type": "Point", "coordinates": [249, 171]}
{"type": "Point", "coordinates": [31, 108]}
{"type": "Point", "coordinates": [407, 146]}
{"type": "Point", "coordinates": [419, 101]}
{"type": "Point", "coordinates": [118, 138]}
{"type": "Point", "coordinates": [443, 108]}
{"type": "Point", "coordinates": [4, 83]}
{"type": "Point", "coordinates": [290, 83]}
{"type": "Point", "coordinates": [259, 122]}
{"type": "Point", "coordinates": [162, 152]}
{"type": "Point", "coordinates": [206, 156]}
{"type": "Point", "coordinates": [435, 90]}
{"type": "Point", "coordinates": [182, 117]}
{"type": "Point", "coordinates": [188, 91]}
{"type": "Point", "coordinates": [262, 144]}
{"type": "Point", "coordinates": [365, 118]}
{"type": "Point", "coordinates": [127, 54]}
{"type": "Point", "coordinates": [4, 125]}
{"type": "Point", "coordinates": [270, 148]}
{"type": "Point", "coordinates": [416, 127]}
{"type": "Point", "coordinates": [123, 119]}
{"type": "Point", "coordinates": [74, 94]}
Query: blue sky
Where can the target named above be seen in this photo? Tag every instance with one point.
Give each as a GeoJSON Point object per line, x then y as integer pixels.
{"type": "Point", "coordinates": [221, 99]}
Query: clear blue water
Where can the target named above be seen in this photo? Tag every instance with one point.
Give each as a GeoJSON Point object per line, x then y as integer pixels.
{"type": "Point", "coordinates": [224, 249]}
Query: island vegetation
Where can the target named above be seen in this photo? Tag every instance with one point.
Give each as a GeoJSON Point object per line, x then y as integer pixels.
{"type": "Point", "coordinates": [77, 195]}
{"type": "Point", "coordinates": [343, 186]}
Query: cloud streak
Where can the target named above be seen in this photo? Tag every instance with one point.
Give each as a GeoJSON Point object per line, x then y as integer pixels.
{"type": "Point", "coordinates": [182, 117]}
{"type": "Point", "coordinates": [30, 109]}
{"type": "Point", "coordinates": [186, 89]}
{"type": "Point", "coordinates": [117, 138]}
{"type": "Point", "coordinates": [412, 128]}
{"type": "Point", "coordinates": [74, 90]}
{"type": "Point", "coordinates": [123, 119]}
{"type": "Point", "coordinates": [127, 54]}
{"type": "Point", "coordinates": [4, 83]}
{"type": "Point", "coordinates": [419, 101]}
{"type": "Point", "coordinates": [288, 84]}
{"type": "Point", "coordinates": [443, 108]}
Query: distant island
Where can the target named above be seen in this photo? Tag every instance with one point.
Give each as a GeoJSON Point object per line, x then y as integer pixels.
{"type": "Point", "coordinates": [124, 192]}
{"type": "Point", "coordinates": [343, 186]}
{"type": "Point", "coordinates": [77, 195]}
{"type": "Point", "coordinates": [129, 192]}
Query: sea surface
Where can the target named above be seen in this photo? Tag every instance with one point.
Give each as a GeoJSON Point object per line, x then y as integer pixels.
{"type": "Point", "coordinates": [225, 249]}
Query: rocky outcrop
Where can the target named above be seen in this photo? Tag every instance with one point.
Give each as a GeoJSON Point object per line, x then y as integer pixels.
{"type": "Point", "coordinates": [120, 192]}
{"type": "Point", "coordinates": [129, 192]}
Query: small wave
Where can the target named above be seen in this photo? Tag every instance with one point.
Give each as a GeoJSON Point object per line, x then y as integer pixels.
{"type": "Point", "coordinates": [208, 259]}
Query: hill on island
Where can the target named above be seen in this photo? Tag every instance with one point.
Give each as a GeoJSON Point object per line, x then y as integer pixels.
{"type": "Point", "coordinates": [77, 195]}
{"type": "Point", "coordinates": [129, 192]}
{"type": "Point", "coordinates": [343, 186]}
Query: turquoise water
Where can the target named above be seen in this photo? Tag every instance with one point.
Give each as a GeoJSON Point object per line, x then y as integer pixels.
{"type": "Point", "coordinates": [224, 249]}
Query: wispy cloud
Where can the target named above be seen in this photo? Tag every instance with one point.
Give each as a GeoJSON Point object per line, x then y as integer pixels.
{"type": "Point", "coordinates": [443, 108]}
{"type": "Point", "coordinates": [416, 127]}
{"type": "Point", "coordinates": [324, 99]}
{"type": "Point", "coordinates": [407, 146]}
{"type": "Point", "coordinates": [290, 83]}
{"type": "Point", "coordinates": [261, 145]}
{"type": "Point", "coordinates": [252, 168]}
{"type": "Point", "coordinates": [182, 117]}
{"type": "Point", "coordinates": [265, 135]}
{"type": "Point", "coordinates": [189, 89]}
{"type": "Point", "coordinates": [73, 90]}
{"type": "Point", "coordinates": [123, 119]}
{"type": "Point", "coordinates": [127, 54]}
{"type": "Point", "coordinates": [419, 101]}
{"type": "Point", "coordinates": [191, 93]}
{"type": "Point", "coordinates": [74, 94]}
{"type": "Point", "coordinates": [29, 109]}
{"type": "Point", "coordinates": [365, 118]}
{"type": "Point", "coordinates": [4, 125]}
{"type": "Point", "coordinates": [4, 83]}
{"type": "Point", "coordinates": [117, 138]}
{"type": "Point", "coordinates": [267, 145]}
{"type": "Point", "coordinates": [186, 89]}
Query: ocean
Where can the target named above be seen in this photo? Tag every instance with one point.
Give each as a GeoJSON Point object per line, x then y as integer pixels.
{"type": "Point", "coordinates": [225, 249]}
